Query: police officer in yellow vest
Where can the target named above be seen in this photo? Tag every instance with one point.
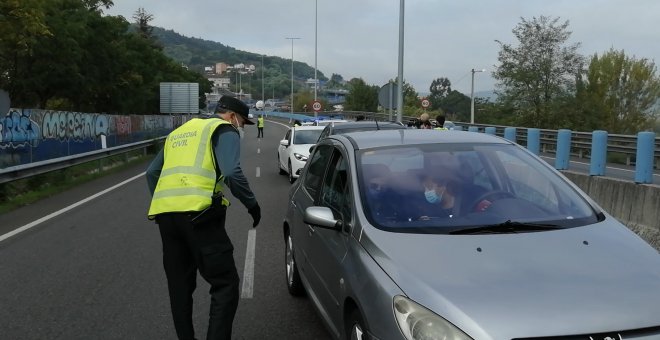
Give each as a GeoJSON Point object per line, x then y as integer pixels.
{"type": "Point", "coordinates": [186, 180]}
{"type": "Point", "coordinates": [260, 126]}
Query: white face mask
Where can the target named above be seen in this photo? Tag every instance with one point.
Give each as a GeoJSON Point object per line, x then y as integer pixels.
{"type": "Point", "coordinates": [239, 128]}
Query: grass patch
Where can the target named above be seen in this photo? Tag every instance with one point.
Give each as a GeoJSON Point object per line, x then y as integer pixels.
{"type": "Point", "coordinates": [22, 192]}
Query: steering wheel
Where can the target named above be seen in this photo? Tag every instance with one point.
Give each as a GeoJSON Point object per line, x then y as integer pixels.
{"type": "Point", "coordinates": [483, 201]}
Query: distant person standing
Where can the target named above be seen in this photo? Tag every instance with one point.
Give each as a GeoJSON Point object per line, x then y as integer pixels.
{"type": "Point", "coordinates": [186, 182]}
{"type": "Point", "coordinates": [441, 123]}
{"type": "Point", "coordinates": [260, 126]}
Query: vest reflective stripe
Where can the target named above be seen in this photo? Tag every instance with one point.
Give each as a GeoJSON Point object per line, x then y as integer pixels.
{"type": "Point", "coordinates": [188, 178]}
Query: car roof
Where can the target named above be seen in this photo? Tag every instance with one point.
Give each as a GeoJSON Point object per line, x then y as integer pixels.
{"type": "Point", "coordinates": [307, 127]}
{"type": "Point", "coordinates": [381, 138]}
{"type": "Point", "coordinates": [366, 124]}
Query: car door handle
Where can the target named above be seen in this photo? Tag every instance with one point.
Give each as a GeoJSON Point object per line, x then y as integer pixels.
{"type": "Point", "coordinates": [311, 230]}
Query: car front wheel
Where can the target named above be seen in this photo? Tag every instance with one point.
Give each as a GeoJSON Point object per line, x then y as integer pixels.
{"type": "Point", "coordinates": [291, 178]}
{"type": "Point", "coordinates": [355, 327]}
{"type": "Point", "coordinates": [279, 165]}
{"type": "Point", "coordinates": [293, 282]}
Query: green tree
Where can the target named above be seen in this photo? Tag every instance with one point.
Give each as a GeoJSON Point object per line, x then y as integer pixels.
{"type": "Point", "coordinates": [456, 105]}
{"type": "Point", "coordinates": [22, 22]}
{"type": "Point", "coordinates": [620, 93]}
{"type": "Point", "coordinates": [361, 97]}
{"type": "Point", "coordinates": [142, 20]}
{"type": "Point", "coordinates": [541, 69]}
{"type": "Point", "coordinates": [336, 82]}
{"type": "Point", "coordinates": [439, 89]}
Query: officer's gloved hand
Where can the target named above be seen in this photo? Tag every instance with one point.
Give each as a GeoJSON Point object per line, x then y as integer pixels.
{"type": "Point", "coordinates": [255, 212]}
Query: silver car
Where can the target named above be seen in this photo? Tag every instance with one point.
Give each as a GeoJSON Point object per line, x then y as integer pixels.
{"type": "Point", "coordinates": [421, 234]}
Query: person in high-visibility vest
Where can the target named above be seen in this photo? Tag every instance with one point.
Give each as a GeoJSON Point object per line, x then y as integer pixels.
{"type": "Point", "coordinates": [185, 180]}
{"type": "Point", "coordinates": [440, 120]}
{"type": "Point", "coordinates": [260, 126]}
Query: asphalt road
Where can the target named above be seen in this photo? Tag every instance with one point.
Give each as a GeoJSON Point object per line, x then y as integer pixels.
{"type": "Point", "coordinates": [88, 263]}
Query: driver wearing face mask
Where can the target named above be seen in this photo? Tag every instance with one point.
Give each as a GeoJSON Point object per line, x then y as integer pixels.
{"type": "Point", "coordinates": [440, 196]}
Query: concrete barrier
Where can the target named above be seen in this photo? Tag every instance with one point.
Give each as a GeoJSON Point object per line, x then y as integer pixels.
{"type": "Point", "coordinates": [635, 205]}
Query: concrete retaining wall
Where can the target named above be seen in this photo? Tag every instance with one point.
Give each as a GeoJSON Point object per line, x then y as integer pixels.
{"type": "Point", "coordinates": [635, 205]}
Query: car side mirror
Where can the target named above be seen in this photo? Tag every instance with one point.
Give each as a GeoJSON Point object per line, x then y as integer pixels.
{"type": "Point", "coordinates": [284, 142]}
{"type": "Point", "coordinates": [322, 217]}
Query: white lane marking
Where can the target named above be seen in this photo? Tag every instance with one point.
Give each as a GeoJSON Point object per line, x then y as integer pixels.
{"type": "Point", "coordinates": [258, 171]}
{"type": "Point", "coordinates": [63, 210]}
{"type": "Point", "coordinates": [248, 271]}
{"type": "Point", "coordinates": [258, 150]}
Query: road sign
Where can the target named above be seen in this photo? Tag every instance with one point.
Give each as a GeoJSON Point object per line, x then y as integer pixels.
{"type": "Point", "coordinates": [316, 106]}
{"type": "Point", "coordinates": [387, 96]}
{"type": "Point", "coordinates": [425, 103]}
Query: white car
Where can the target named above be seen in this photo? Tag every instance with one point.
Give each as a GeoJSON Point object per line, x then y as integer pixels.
{"type": "Point", "coordinates": [330, 121]}
{"type": "Point", "coordinates": [293, 151]}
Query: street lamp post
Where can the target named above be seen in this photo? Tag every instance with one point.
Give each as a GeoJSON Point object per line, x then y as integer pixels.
{"type": "Point", "coordinates": [472, 95]}
{"type": "Point", "coordinates": [263, 100]}
{"type": "Point", "coordinates": [399, 94]}
{"type": "Point", "coordinates": [316, 26]}
{"type": "Point", "coordinates": [292, 39]}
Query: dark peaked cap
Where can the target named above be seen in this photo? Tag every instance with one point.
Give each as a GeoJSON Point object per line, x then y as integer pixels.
{"type": "Point", "coordinates": [235, 105]}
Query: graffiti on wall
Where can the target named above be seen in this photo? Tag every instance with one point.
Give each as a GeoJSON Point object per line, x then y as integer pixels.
{"type": "Point", "coordinates": [74, 126]}
{"type": "Point", "coordinates": [122, 125]}
{"type": "Point", "coordinates": [28, 135]}
{"type": "Point", "coordinates": [17, 129]}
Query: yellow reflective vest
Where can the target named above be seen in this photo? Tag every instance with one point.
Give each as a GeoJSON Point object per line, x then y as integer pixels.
{"type": "Point", "coordinates": [260, 122]}
{"type": "Point", "coordinates": [188, 178]}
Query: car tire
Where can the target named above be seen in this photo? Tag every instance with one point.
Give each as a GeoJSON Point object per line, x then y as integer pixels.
{"type": "Point", "coordinates": [279, 165]}
{"type": "Point", "coordinates": [355, 326]}
{"type": "Point", "coordinates": [291, 178]}
{"type": "Point", "coordinates": [293, 282]}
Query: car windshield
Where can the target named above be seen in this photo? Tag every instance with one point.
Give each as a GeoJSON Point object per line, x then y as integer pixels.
{"type": "Point", "coordinates": [442, 188]}
{"type": "Point", "coordinates": [306, 136]}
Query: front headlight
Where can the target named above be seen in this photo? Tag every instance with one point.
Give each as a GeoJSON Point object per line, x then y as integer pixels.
{"type": "Point", "coordinates": [419, 323]}
{"type": "Point", "coordinates": [300, 157]}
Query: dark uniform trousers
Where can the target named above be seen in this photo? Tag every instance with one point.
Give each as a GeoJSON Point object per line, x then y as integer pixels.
{"type": "Point", "coordinates": [207, 248]}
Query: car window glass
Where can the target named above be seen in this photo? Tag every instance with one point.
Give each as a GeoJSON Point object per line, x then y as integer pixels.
{"type": "Point", "coordinates": [316, 168]}
{"type": "Point", "coordinates": [456, 185]}
{"type": "Point", "coordinates": [306, 136]}
{"type": "Point", "coordinates": [528, 183]}
{"type": "Point", "coordinates": [335, 187]}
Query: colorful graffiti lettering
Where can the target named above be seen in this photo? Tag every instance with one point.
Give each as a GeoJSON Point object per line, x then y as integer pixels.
{"type": "Point", "coordinates": [73, 125]}
{"type": "Point", "coordinates": [18, 130]}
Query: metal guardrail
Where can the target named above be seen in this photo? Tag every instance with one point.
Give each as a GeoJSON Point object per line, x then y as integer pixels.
{"type": "Point", "coordinates": [580, 141]}
{"type": "Point", "coordinates": [38, 168]}
{"type": "Point", "coordinates": [580, 146]}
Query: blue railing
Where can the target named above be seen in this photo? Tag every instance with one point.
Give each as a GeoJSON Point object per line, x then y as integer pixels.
{"type": "Point", "coordinates": [642, 149]}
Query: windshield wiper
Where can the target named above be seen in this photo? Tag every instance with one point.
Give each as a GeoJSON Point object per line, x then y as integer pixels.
{"type": "Point", "coordinates": [506, 227]}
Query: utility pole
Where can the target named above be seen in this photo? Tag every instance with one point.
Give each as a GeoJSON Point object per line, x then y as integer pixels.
{"type": "Point", "coordinates": [291, 106]}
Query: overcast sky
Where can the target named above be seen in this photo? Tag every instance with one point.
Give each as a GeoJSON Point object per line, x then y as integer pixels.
{"type": "Point", "coordinates": [359, 38]}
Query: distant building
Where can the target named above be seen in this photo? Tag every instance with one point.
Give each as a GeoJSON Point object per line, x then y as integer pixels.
{"type": "Point", "coordinates": [219, 82]}
{"type": "Point", "coordinates": [221, 68]}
